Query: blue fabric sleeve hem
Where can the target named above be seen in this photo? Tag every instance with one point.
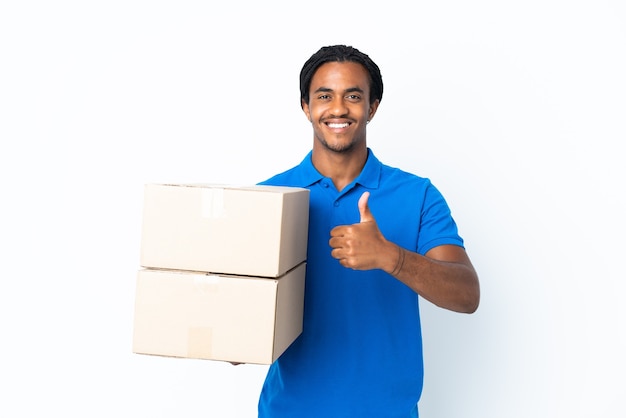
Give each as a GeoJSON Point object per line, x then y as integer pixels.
{"type": "Point", "coordinates": [440, 241]}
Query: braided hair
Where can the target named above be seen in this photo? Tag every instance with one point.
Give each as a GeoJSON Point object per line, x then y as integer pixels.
{"type": "Point", "coordinates": [340, 53]}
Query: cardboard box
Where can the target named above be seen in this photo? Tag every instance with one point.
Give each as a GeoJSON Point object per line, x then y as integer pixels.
{"type": "Point", "coordinates": [217, 317]}
{"type": "Point", "coordinates": [256, 230]}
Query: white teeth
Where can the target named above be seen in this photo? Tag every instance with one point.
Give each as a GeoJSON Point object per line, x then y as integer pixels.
{"type": "Point", "coordinates": [337, 125]}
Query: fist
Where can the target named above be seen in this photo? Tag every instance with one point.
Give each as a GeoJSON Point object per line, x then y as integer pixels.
{"type": "Point", "coordinates": [358, 246]}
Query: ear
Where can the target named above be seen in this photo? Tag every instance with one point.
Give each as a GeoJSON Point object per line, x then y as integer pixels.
{"type": "Point", "coordinates": [373, 109]}
{"type": "Point", "coordinates": [305, 109]}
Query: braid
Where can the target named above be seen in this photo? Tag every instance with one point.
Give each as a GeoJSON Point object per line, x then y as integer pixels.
{"type": "Point", "coordinates": [340, 53]}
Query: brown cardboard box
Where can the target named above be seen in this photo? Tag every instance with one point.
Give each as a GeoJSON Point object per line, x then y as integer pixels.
{"type": "Point", "coordinates": [217, 317]}
{"type": "Point", "coordinates": [256, 230]}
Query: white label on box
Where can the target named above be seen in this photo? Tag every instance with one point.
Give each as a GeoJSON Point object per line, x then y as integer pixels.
{"type": "Point", "coordinates": [207, 284]}
{"type": "Point", "coordinates": [212, 202]}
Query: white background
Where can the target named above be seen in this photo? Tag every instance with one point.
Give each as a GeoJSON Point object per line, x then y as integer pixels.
{"type": "Point", "coordinates": [515, 110]}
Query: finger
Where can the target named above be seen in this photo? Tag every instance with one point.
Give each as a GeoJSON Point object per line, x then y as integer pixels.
{"type": "Point", "coordinates": [335, 242]}
{"type": "Point", "coordinates": [336, 253]}
{"type": "Point", "coordinates": [338, 231]}
{"type": "Point", "coordinates": [364, 209]}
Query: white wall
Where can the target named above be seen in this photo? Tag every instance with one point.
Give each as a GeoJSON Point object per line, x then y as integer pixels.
{"type": "Point", "coordinates": [516, 110]}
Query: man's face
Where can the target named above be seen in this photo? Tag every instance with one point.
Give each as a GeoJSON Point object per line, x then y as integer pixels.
{"type": "Point", "coordinates": [339, 106]}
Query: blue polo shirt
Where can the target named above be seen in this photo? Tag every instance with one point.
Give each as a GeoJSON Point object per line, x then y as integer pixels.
{"type": "Point", "coordinates": [360, 352]}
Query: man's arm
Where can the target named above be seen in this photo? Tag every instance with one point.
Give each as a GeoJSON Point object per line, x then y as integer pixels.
{"type": "Point", "coordinates": [444, 276]}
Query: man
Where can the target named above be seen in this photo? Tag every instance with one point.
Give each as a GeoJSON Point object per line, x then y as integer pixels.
{"type": "Point", "coordinates": [378, 238]}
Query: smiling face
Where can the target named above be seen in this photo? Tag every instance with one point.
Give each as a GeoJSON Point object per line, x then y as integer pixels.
{"type": "Point", "coordinates": [339, 106]}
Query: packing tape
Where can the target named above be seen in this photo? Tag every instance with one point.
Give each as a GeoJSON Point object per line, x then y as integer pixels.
{"type": "Point", "coordinates": [200, 342]}
{"type": "Point", "coordinates": [212, 202]}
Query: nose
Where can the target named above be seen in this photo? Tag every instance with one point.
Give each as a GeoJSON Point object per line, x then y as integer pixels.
{"type": "Point", "coordinates": [339, 108]}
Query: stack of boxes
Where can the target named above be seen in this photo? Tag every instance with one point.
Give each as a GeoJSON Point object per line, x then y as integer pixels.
{"type": "Point", "coordinates": [222, 271]}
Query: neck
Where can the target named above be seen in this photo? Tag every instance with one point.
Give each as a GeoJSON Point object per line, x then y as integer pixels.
{"type": "Point", "coordinates": [341, 167]}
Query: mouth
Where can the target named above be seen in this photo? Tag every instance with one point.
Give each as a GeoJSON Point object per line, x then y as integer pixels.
{"type": "Point", "coordinates": [337, 125]}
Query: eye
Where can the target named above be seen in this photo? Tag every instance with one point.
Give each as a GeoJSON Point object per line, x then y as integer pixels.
{"type": "Point", "coordinates": [353, 97]}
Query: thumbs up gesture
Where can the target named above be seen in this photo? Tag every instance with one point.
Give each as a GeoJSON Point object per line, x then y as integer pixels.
{"type": "Point", "coordinates": [360, 246]}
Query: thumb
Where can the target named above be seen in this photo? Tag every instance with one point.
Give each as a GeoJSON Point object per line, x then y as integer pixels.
{"type": "Point", "coordinates": [364, 209]}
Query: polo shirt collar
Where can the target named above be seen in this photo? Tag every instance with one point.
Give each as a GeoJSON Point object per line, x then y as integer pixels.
{"type": "Point", "coordinates": [369, 177]}
{"type": "Point", "coordinates": [307, 173]}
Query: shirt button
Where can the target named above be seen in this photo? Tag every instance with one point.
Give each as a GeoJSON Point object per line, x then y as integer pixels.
{"type": "Point", "coordinates": [325, 185]}
{"type": "Point", "coordinates": [336, 203]}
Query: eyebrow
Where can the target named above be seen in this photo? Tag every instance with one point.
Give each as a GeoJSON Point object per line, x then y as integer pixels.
{"type": "Point", "coordinates": [329, 90]}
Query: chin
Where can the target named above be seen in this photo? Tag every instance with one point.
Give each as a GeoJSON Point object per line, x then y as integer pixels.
{"type": "Point", "coordinates": [339, 147]}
